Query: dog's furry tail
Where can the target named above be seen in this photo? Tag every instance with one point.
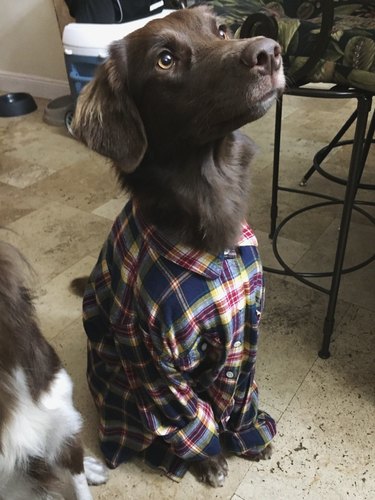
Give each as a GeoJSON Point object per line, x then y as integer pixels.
{"type": "Point", "coordinates": [78, 285]}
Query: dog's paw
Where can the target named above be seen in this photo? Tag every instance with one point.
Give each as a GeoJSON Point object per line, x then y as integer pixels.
{"type": "Point", "coordinates": [265, 454]}
{"type": "Point", "coordinates": [212, 471]}
{"type": "Point", "coordinates": [95, 471]}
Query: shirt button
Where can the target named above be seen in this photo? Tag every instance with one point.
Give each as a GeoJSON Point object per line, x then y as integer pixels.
{"type": "Point", "coordinates": [237, 343]}
{"type": "Point", "coordinates": [204, 346]}
{"type": "Point", "coordinates": [230, 253]}
{"type": "Point", "coordinates": [229, 374]}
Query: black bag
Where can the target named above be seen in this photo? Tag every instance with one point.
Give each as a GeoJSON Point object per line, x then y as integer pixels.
{"type": "Point", "coordinates": [112, 11]}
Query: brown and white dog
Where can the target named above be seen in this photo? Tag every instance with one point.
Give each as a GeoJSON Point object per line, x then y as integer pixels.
{"type": "Point", "coordinates": [39, 426]}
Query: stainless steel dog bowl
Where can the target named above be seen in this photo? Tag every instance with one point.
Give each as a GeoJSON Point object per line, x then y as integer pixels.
{"type": "Point", "coordinates": [16, 104]}
{"type": "Point", "coordinates": [56, 110]}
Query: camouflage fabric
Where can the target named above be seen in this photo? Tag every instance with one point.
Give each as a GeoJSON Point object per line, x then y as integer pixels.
{"type": "Point", "coordinates": [350, 57]}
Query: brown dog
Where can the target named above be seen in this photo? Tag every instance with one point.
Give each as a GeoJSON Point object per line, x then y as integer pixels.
{"type": "Point", "coordinates": [172, 308]}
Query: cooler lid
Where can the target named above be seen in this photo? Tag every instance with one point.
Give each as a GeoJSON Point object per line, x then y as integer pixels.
{"type": "Point", "coordinates": [98, 37]}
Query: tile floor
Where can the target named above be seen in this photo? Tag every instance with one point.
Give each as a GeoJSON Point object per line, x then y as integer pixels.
{"type": "Point", "coordinates": [57, 201]}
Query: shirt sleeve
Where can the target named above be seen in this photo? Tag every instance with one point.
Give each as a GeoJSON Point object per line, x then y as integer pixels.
{"type": "Point", "coordinates": [168, 405]}
{"type": "Point", "coordinates": [108, 296]}
{"type": "Point", "coordinates": [97, 301]}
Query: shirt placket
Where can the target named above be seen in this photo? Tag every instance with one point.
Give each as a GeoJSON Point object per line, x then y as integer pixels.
{"type": "Point", "coordinates": [231, 370]}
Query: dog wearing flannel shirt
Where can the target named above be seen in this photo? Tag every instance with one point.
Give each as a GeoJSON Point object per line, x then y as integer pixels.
{"type": "Point", "coordinates": [172, 307]}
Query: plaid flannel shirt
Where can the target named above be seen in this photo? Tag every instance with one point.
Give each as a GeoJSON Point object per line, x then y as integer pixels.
{"type": "Point", "coordinates": [172, 341]}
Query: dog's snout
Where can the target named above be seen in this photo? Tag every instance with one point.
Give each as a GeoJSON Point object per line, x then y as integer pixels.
{"type": "Point", "coordinates": [263, 53]}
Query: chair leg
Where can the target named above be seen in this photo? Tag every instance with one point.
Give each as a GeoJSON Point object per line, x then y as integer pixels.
{"type": "Point", "coordinates": [355, 171]}
{"type": "Point", "coordinates": [276, 166]}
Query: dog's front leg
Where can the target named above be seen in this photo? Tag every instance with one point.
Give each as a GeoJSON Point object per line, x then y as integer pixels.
{"type": "Point", "coordinates": [84, 470]}
{"type": "Point", "coordinates": [94, 473]}
{"type": "Point", "coordinates": [212, 470]}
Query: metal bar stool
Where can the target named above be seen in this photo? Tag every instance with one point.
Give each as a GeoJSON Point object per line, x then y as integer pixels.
{"type": "Point", "coordinates": [262, 23]}
{"type": "Point", "coordinates": [360, 148]}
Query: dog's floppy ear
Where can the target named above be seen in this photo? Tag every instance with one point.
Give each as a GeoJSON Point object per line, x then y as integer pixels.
{"type": "Point", "coordinates": [106, 117]}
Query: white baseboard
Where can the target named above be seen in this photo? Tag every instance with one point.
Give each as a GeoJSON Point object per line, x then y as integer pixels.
{"type": "Point", "coordinates": [37, 86]}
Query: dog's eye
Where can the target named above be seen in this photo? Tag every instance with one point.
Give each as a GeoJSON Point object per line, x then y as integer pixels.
{"type": "Point", "coordinates": [222, 29]}
{"type": "Point", "coordinates": [165, 60]}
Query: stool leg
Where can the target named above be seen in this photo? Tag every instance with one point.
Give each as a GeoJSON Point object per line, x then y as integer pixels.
{"type": "Point", "coordinates": [329, 147]}
{"type": "Point", "coordinates": [368, 141]}
{"type": "Point", "coordinates": [355, 171]}
{"type": "Point", "coordinates": [276, 166]}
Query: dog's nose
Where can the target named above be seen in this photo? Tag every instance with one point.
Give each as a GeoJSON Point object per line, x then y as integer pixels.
{"type": "Point", "coordinates": [263, 53]}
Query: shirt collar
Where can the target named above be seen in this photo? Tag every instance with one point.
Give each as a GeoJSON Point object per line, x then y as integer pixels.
{"type": "Point", "coordinates": [248, 238]}
{"type": "Point", "coordinates": [198, 261]}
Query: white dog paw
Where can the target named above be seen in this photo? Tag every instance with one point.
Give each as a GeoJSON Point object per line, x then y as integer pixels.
{"type": "Point", "coordinates": [95, 471]}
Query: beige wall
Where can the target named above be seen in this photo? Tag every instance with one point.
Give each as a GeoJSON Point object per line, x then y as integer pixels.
{"type": "Point", "coordinates": [30, 40]}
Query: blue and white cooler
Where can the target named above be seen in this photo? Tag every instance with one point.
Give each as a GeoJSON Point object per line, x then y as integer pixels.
{"type": "Point", "coordinates": [86, 45]}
